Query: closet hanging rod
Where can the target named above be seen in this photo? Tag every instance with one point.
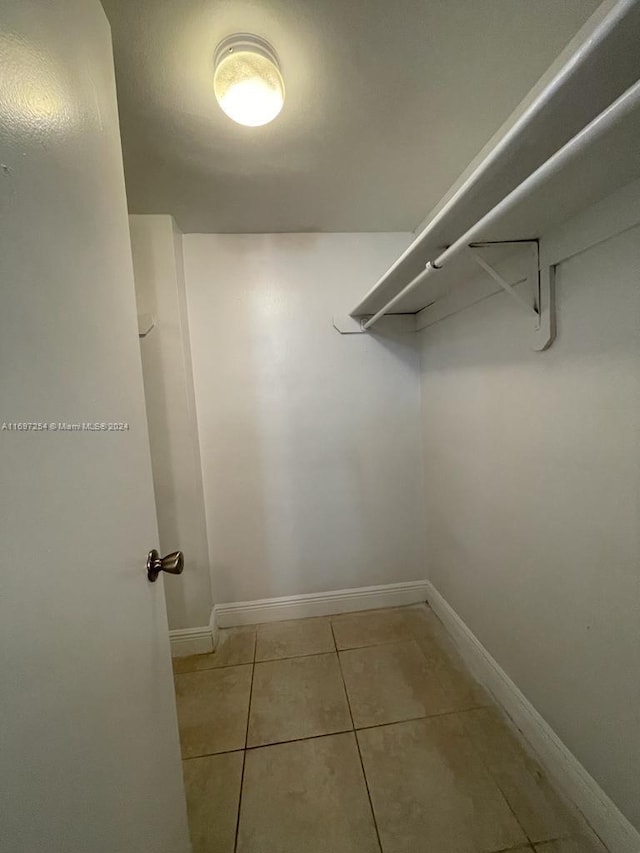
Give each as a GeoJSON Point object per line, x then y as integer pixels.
{"type": "Point", "coordinates": [573, 64]}
{"type": "Point", "coordinates": [609, 117]}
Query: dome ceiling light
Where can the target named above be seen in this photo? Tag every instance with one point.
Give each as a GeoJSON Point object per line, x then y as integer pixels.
{"type": "Point", "coordinates": [247, 81]}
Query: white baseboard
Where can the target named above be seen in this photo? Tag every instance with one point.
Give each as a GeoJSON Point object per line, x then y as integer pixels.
{"type": "Point", "coordinates": [194, 641]}
{"type": "Point", "coordinates": [562, 766]}
{"type": "Point", "coordinates": [319, 604]}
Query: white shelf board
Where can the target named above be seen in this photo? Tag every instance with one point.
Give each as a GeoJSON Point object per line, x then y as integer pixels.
{"type": "Point", "coordinates": [607, 165]}
{"type": "Point", "coordinates": [462, 287]}
{"type": "Point", "coordinates": [612, 69]}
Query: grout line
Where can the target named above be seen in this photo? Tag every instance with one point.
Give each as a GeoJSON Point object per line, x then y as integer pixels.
{"type": "Point", "coordinates": [411, 637]}
{"type": "Point", "coordinates": [344, 684]}
{"type": "Point", "coordinates": [295, 657]}
{"type": "Point", "coordinates": [336, 617]}
{"type": "Point", "coordinates": [335, 648]}
{"type": "Point", "coordinates": [209, 668]}
{"type": "Point", "coordinates": [415, 719]}
{"type": "Point", "coordinates": [472, 740]}
{"type": "Point", "coordinates": [212, 754]}
{"type": "Point", "coordinates": [244, 751]}
{"type": "Point", "coordinates": [337, 732]}
{"type": "Point", "coordinates": [355, 735]}
{"type": "Point", "coordinates": [298, 739]}
{"type": "Point", "coordinates": [506, 799]}
{"type": "Point", "coordinates": [266, 660]}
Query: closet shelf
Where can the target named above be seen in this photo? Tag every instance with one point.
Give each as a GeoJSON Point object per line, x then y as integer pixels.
{"type": "Point", "coordinates": [519, 188]}
{"type": "Point", "coordinates": [604, 156]}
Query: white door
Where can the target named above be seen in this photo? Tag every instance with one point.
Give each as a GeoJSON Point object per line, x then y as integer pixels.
{"type": "Point", "coordinates": [89, 753]}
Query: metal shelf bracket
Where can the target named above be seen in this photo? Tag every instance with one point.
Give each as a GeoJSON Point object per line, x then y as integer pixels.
{"type": "Point", "coordinates": [348, 325]}
{"type": "Point", "coordinates": [392, 324]}
{"type": "Point", "coordinates": [541, 307]}
{"type": "Point", "coordinates": [146, 322]}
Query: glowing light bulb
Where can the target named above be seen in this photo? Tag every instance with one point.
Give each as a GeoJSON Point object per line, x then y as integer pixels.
{"type": "Point", "coordinates": [247, 81]}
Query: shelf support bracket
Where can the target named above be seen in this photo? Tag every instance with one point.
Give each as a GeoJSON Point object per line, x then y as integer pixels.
{"type": "Point", "coordinates": [541, 286]}
{"type": "Point", "coordinates": [531, 310]}
{"type": "Point", "coordinates": [390, 324]}
{"type": "Point", "coordinates": [545, 332]}
{"type": "Point", "coordinates": [348, 325]}
{"type": "Point", "coordinates": [146, 322]}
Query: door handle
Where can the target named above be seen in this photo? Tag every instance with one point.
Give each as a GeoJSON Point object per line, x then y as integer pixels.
{"type": "Point", "coordinates": [172, 563]}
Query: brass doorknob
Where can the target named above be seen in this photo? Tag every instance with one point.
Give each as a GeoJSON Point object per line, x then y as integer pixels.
{"type": "Point", "coordinates": [172, 563]}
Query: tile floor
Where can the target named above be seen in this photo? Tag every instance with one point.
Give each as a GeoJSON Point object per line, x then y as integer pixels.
{"type": "Point", "coordinates": [359, 733]}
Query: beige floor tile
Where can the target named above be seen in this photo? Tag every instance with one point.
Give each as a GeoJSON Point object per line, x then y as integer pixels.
{"type": "Point", "coordinates": [306, 797]}
{"type": "Point", "coordinates": [371, 628]}
{"type": "Point", "coordinates": [460, 687]}
{"type": "Point", "coordinates": [423, 622]}
{"type": "Point", "coordinates": [431, 791]}
{"type": "Point", "coordinates": [297, 698]}
{"type": "Point", "coordinates": [534, 802]}
{"type": "Point", "coordinates": [427, 628]}
{"type": "Point", "coordinates": [212, 709]}
{"type": "Point", "coordinates": [391, 682]}
{"type": "Point", "coordinates": [235, 646]}
{"type": "Point", "coordinates": [294, 638]}
{"type": "Point", "coordinates": [212, 786]}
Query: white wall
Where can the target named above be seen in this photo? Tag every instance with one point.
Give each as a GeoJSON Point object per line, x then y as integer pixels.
{"type": "Point", "coordinates": [532, 472]}
{"type": "Point", "coordinates": [310, 440]}
{"type": "Point", "coordinates": [173, 431]}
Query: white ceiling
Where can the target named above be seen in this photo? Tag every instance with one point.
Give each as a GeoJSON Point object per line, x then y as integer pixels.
{"type": "Point", "coordinates": [387, 102]}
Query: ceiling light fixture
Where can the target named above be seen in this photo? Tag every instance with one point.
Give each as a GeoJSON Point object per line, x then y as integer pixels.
{"type": "Point", "coordinates": [247, 81]}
